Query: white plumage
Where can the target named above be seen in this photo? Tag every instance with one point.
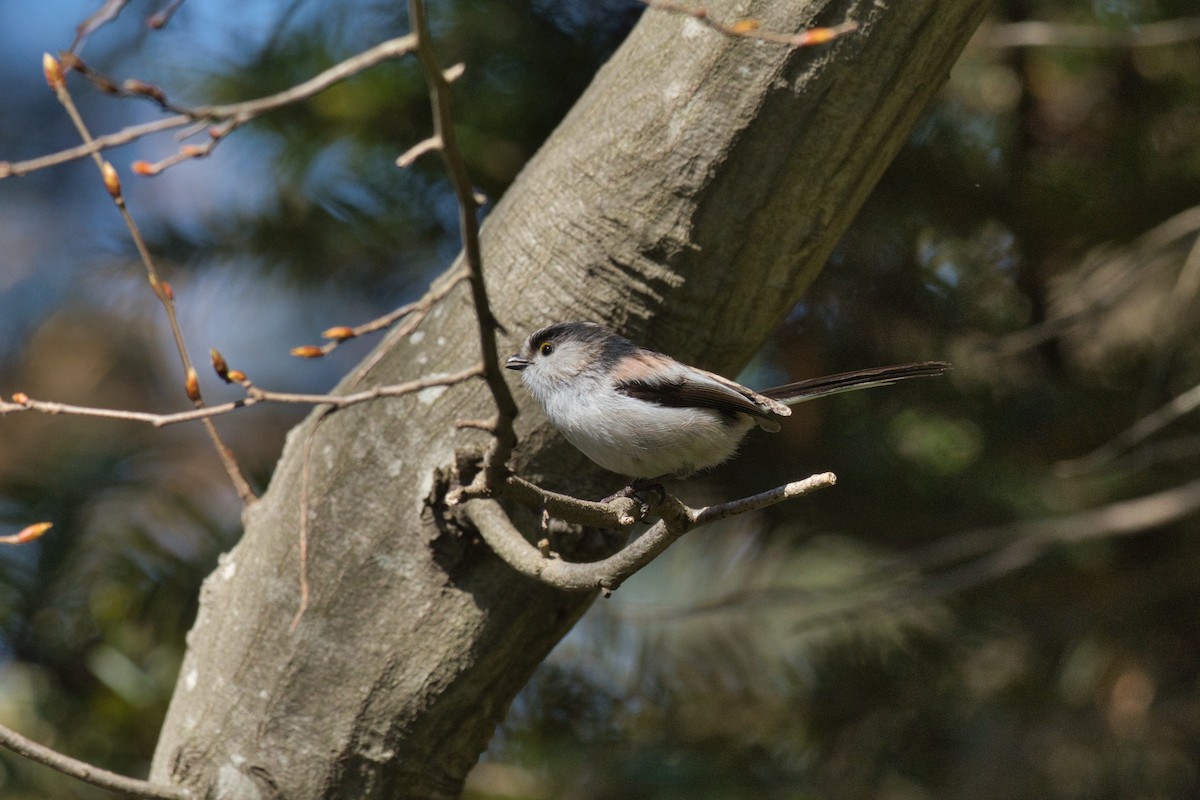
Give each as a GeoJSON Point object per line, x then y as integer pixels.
{"type": "Point", "coordinates": [644, 415]}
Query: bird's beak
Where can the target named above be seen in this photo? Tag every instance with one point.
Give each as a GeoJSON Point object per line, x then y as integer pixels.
{"type": "Point", "coordinates": [516, 362]}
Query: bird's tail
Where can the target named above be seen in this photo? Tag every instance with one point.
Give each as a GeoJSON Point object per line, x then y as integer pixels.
{"type": "Point", "coordinates": [793, 393]}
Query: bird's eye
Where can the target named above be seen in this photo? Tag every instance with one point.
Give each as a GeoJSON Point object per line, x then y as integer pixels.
{"type": "Point", "coordinates": [546, 348]}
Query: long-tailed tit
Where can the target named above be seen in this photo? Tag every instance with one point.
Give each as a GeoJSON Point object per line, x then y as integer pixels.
{"type": "Point", "coordinates": [644, 415]}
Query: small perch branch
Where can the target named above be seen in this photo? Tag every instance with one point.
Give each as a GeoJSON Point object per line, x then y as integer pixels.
{"type": "Point", "coordinates": [607, 574]}
{"type": "Point", "coordinates": [131, 787]}
{"type": "Point", "coordinates": [618, 513]}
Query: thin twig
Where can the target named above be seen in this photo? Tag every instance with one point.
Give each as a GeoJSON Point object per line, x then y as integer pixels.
{"type": "Point", "coordinates": [161, 17]}
{"type": "Point", "coordinates": [23, 403]}
{"type": "Point", "coordinates": [441, 288]}
{"type": "Point", "coordinates": [131, 787]}
{"type": "Point", "coordinates": [238, 112]}
{"type": "Point", "coordinates": [1143, 256]}
{"type": "Point", "coordinates": [494, 525]}
{"type": "Point", "coordinates": [100, 17]}
{"type": "Point", "coordinates": [505, 438]}
{"type": "Point", "coordinates": [1141, 430]}
{"type": "Point", "coordinates": [162, 290]}
{"type": "Point", "coordinates": [750, 28]}
{"type": "Point", "coordinates": [1008, 549]}
{"type": "Point", "coordinates": [339, 335]}
{"type": "Point", "coordinates": [417, 150]}
{"type": "Point", "coordinates": [27, 534]}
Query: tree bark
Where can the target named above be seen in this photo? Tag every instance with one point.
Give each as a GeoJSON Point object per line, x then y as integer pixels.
{"type": "Point", "coordinates": [688, 199]}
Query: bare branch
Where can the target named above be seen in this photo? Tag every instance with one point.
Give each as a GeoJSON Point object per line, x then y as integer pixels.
{"type": "Point", "coordinates": [621, 512]}
{"type": "Point", "coordinates": [161, 289]}
{"type": "Point", "coordinates": [417, 150]}
{"type": "Point", "coordinates": [160, 18]}
{"type": "Point", "coordinates": [505, 438]}
{"type": "Point", "coordinates": [1007, 549]}
{"type": "Point", "coordinates": [87, 773]}
{"type": "Point", "coordinates": [255, 396]}
{"type": "Point", "coordinates": [236, 112]}
{"type": "Point", "coordinates": [497, 530]}
{"type": "Point", "coordinates": [1144, 253]}
{"type": "Point", "coordinates": [418, 309]}
{"type": "Point", "coordinates": [99, 18]}
{"type": "Point", "coordinates": [98, 143]}
{"type": "Point", "coordinates": [1141, 430]}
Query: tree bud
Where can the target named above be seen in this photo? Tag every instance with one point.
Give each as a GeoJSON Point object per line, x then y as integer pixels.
{"type": "Point", "coordinates": [53, 71]}
{"type": "Point", "coordinates": [219, 364]}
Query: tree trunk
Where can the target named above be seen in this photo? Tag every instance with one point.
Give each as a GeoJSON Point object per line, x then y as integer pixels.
{"type": "Point", "coordinates": [687, 199]}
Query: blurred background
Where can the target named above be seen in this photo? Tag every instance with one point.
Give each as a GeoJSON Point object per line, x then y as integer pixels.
{"type": "Point", "coordinates": [1001, 597]}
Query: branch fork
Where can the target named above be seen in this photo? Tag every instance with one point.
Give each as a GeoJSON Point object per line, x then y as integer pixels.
{"type": "Point", "coordinates": [675, 519]}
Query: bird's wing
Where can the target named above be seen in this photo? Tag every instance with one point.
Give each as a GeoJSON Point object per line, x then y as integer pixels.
{"type": "Point", "coordinates": [689, 387]}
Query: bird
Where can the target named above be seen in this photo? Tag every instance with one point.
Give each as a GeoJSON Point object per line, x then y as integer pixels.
{"type": "Point", "coordinates": [643, 415]}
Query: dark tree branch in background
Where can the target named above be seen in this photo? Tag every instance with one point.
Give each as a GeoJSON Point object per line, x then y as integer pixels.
{"type": "Point", "coordinates": [966, 560]}
{"type": "Point", "coordinates": [1064, 34]}
{"type": "Point", "coordinates": [1133, 262]}
{"type": "Point", "coordinates": [1001, 551]}
{"type": "Point", "coordinates": [1141, 430]}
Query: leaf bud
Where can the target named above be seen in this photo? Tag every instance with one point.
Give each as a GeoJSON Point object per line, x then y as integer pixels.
{"type": "Point", "coordinates": [31, 532]}
{"type": "Point", "coordinates": [112, 181]}
{"type": "Point", "coordinates": [53, 72]}
{"type": "Point", "coordinates": [192, 386]}
{"type": "Point", "coordinates": [339, 333]}
{"type": "Point", "coordinates": [219, 364]}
